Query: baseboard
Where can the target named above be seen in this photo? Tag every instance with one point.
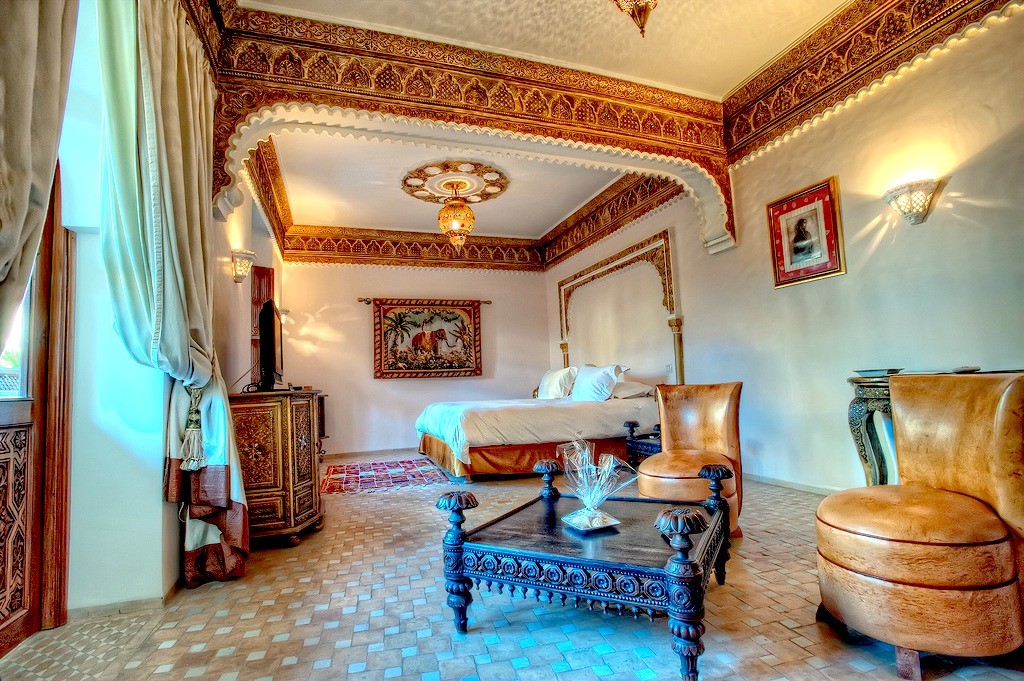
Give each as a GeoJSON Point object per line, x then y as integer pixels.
{"type": "Point", "coordinates": [124, 607]}
{"type": "Point", "coordinates": [405, 451]}
{"type": "Point", "coordinates": [823, 491]}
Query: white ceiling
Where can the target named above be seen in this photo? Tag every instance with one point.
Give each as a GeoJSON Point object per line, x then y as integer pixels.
{"type": "Point", "coordinates": [701, 47]}
{"type": "Point", "coordinates": [346, 182]}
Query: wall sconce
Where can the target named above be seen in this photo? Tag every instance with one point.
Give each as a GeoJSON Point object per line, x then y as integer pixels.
{"type": "Point", "coordinates": [241, 264]}
{"type": "Point", "coordinates": [912, 200]}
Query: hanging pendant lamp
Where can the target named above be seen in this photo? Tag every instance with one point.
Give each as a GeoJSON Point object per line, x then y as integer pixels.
{"type": "Point", "coordinates": [456, 219]}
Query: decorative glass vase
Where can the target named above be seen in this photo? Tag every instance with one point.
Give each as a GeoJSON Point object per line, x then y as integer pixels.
{"type": "Point", "coordinates": [592, 482]}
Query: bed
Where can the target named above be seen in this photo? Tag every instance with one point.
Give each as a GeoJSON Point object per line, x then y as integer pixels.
{"type": "Point", "coordinates": [502, 437]}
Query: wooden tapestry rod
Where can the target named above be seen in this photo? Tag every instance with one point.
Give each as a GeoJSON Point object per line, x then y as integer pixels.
{"type": "Point", "coordinates": [367, 301]}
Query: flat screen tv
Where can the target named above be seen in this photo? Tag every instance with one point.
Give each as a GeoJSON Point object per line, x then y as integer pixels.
{"type": "Point", "coordinates": [271, 346]}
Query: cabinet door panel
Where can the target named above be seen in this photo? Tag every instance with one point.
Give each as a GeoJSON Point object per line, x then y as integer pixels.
{"type": "Point", "coordinates": [260, 432]}
{"type": "Point", "coordinates": [302, 424]}
{"type": "Point", "coordinates": [267, 514]}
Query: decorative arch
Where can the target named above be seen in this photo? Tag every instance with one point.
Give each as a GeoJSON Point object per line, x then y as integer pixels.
{"type": "Point", "coordinates": [713, 202]}
{"type": "Point", "coordinates": [653, 250]}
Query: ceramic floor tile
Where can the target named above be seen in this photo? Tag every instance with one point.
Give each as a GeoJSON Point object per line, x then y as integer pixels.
{"type": "Point", "coordinates": [364, 599]}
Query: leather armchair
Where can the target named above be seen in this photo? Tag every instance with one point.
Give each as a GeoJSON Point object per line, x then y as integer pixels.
{"type": "Point", "coordinates": [699, 426]}
{"type": "Point", "coordinates": [933, 564]}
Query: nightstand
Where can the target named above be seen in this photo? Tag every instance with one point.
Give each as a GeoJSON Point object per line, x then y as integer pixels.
{"type": "Point", "coordinates": [640, 447]}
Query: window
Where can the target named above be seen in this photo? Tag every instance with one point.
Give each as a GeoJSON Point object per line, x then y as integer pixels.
{"type": "Point", "coordinates": [14, 358]}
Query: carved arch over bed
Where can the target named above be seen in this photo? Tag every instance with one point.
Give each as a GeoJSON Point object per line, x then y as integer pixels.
{"type": "Point", "coordinates": [710, 193]}
{"type": "Point", "coordinates": [655, 251]}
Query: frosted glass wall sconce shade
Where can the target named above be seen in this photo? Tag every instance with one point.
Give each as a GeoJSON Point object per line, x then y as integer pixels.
{"type": "Point", "coordinates": [241, 264]}
{"type": "Point", "coordinates": [912, 200]}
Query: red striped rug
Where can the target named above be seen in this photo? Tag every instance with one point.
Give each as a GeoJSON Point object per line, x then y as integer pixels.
{"type": "Point", "coordinates": [373, 476]}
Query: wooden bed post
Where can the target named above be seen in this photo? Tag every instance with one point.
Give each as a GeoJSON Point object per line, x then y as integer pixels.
{"type": "Point", "coordinates": [675, 322]}
{"type": "Point", "coordinates": [564, 346]}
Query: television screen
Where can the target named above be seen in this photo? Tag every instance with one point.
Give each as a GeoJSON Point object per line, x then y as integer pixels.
{"type": "Point", "coordinates": [271, 346]}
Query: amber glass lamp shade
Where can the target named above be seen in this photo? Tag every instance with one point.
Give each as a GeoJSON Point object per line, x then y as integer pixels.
{"type": "Point", "coordinates": [456, 221]}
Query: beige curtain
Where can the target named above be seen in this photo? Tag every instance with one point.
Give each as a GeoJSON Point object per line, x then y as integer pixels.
{"type": "Point", "coordinates": [36, 40]}
{"type": "Point", "coordinates": [158, 97]}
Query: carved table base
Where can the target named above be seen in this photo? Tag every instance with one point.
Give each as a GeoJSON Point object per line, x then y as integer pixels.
{"type": "Point", "coordinates": [629, 569]}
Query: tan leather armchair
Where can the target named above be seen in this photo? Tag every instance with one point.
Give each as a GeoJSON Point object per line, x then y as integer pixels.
{"type": "Point", "coordinates": [933, 564]}
{"type": "Point", "coordinates": [699, 426]}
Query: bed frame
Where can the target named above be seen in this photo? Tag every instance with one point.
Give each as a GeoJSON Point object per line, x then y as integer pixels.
{"type": "Point", "coordinates": [504, 459]}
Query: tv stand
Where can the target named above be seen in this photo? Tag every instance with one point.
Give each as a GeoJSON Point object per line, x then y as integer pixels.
{"type": "Point", "coordinates": [279, 434]}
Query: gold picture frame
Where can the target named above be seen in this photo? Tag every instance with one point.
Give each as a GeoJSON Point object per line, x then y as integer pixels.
{"type": "Point", "coordinates": [805, 233]}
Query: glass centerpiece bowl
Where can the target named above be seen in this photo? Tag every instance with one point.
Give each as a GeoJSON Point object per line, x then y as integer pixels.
{"type": "Point", "coordinates": [592, 482]}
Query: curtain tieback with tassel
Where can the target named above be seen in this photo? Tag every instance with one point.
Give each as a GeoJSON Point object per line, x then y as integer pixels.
{"type": "Point", "coordinates": [192, 457]}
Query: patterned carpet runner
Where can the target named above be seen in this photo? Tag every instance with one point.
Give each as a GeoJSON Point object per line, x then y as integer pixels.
{"type": "Point", "coordinates": [374, 476]}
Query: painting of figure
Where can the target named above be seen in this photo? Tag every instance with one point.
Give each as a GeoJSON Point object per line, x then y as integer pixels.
{"type": "Point", "coordinates": [806, 234]}
{"type": "Point", "coordinates": [418, 338]}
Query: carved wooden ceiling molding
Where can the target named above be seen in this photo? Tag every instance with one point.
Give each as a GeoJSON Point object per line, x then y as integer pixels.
{"type": "Point", "coordinates": [347, 245]}
{"type": "Point", "coordinates": [624, 201]}
{"type": "Point", "coordinates": [267, 185]}
{"type": "Point", "coordinates": [857, 49]}
{"type": "Point", "coordinates": [653, 250]}
{"type": "Point", "coordinates": [264, 59]}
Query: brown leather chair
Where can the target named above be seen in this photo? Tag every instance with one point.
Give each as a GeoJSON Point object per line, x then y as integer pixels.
{"type": "Point", "coordinates": [699, 426]}
{"type": "Point", "coordinates": [933, 564]}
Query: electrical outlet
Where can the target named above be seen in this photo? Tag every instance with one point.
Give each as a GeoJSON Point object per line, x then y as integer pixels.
{"type": "Point", "coordinates": [668, 369]}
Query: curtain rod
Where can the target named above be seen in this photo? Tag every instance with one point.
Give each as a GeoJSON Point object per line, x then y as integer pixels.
{"type": "Point", "coordinates": [367, 301]}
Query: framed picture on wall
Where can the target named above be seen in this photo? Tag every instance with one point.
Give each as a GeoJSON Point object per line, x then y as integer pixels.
{"type": "Point", "coordinates": [426, 338]}
{"type": "Point", "coordinates": [806, 234]}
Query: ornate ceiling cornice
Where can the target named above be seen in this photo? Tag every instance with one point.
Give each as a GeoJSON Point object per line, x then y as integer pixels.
{"type": "Point", "coordinates": [267, 185]}
{"type": "Point", "coordinates": [264, 58]}
{"type": "Point", "coordinates": [865, 42]}
{"type": "Point", "coordinates": [347, 245]}
{"type": "Point", "coordinates": [625, 200]}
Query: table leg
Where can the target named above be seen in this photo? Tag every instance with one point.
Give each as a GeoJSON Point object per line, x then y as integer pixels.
{"type": "Point", "coordinates": [722, 558]}
{"type": "Point", "coordinates": [458, 586]}
{"type": "Point", "coordinates": [684, 581]}
{"type": "Point", "coordinates": [459, 597]}
{"type": "Point", "coordinates": [686, 644]}
{"type": "Point", "coordinates": [865, 437]}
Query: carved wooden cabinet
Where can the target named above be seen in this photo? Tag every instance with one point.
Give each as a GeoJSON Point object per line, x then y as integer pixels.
{"type": "Point", "coordinates": [278, 434]}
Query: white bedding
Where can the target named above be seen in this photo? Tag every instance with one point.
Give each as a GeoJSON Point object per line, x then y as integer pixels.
{"type": "Point", "coordinates": [511, 422]}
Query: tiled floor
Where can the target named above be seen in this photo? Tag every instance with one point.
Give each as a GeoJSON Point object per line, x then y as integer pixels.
{"type": "Point", "coordinates": [364, 599]}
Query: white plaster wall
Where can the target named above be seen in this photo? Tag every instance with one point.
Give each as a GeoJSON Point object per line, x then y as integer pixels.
{"type": "Point", "coordinates": [330, 345]}
{"type": "Point", "coordinates": [124, 543]}
{"type": "Point", "coordinates": [620, 317]}
{"type": "Point", "coordinates": [930, 297]}
{"type": "Point", "coordinates": [124, 537]}
{"type": "Point", "coordinates": [244, 228]}
{"type": "Point", "coordinates": [231, 301]}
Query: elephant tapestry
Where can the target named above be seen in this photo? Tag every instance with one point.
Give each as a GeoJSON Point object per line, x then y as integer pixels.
{"type": "Point", "coordinates": [417, 338]}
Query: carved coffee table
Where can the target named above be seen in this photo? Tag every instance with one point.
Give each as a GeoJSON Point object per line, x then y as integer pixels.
{"type": "Point", "coordinates": [657, 559]}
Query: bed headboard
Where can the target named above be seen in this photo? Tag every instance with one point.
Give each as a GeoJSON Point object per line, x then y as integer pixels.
{"type": "Point", "coordinates": [609, 322]}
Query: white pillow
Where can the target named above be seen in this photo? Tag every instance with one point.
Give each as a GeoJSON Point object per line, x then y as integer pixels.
{"type": "Point", "coordinates": [624, 390]}
{"type": "Point", "coordinates": [556, 383]}
{"type": "Point", "coordinates": [594, 384]}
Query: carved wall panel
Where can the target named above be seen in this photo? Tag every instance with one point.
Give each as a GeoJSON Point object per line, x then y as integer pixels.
{"type": "Point", "coordinates": [13, 522]}
{"type": "Point", "coordinates": [863, 43]}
